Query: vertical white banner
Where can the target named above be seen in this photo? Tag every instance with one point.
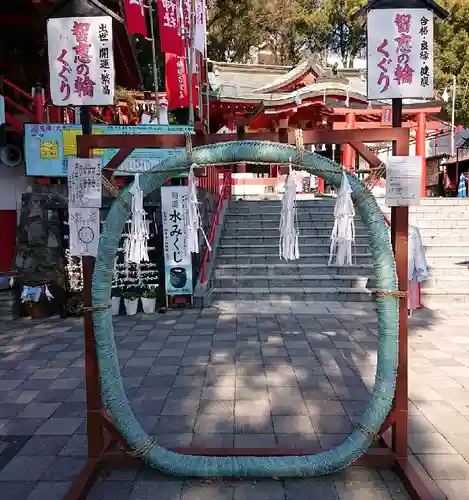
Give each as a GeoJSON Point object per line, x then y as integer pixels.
{"type": "Point", "coordinates": [400, 54]}
{"type": "Point", "coordinates": [81, 61]}
{"type": "Point", "coordinates": [200, 26]}
{"type": "Point", "coordinates": [177, 258]}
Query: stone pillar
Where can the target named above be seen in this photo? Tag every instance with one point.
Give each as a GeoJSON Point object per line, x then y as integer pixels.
{"type": "Point", "coordinates": [420, 149]}
{"type": "Point", "coordinates": [348, 156]}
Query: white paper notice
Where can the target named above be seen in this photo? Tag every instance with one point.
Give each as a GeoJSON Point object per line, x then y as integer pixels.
{"type": "Point", "coordinates": [84, 231]}
{"type": "Point", "coordinates": [84, 183]}
{"type": "Point", "coordinates": [403, 180]}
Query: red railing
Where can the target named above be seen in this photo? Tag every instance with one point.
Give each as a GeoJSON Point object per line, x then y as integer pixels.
{"type": "Point", "coordinates": [224, 193]}
{"type": "Point", "coordinates": [35, 113]}
{"type": "Point", "coordinates": [388, 222]}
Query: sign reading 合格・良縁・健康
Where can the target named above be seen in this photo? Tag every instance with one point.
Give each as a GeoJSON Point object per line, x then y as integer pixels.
{"type": "Point", "coordinates": [400, 54]}
{"type": "Point", "coordinates": [81, 61]}
{"type": "Point", "coordinates": [177, 257]}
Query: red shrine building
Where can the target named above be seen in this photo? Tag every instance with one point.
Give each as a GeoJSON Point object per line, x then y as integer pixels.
{"type": "Point", "coordinates": [310, 97]}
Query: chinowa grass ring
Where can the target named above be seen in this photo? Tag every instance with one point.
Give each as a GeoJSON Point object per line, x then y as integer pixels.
{"type": "Point", "coordinates": [387, 296]}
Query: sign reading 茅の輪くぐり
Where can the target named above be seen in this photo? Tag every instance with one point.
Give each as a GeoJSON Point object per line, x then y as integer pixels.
{"type": "Point", "coordinates": [400, 54]}
{"type": "Point", "coordinates": [81, 61]}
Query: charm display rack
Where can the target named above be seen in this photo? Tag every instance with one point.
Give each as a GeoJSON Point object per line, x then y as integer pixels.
{"type": "Point", "coordinates": [127, 277]}
{"type": "Point", "coordinates": [107, 448]}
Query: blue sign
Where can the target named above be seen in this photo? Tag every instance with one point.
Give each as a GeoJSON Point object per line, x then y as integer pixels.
{"type": "Point", "coordinates": [47, 147]}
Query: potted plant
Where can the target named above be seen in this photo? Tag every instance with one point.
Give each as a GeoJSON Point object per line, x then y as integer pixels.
{"type": "Point", "coordinates": [131, 297]}
{"type": "Point", "coordinates": [116, 295]}
{"type": "Point", "coordinates": [149, 299]}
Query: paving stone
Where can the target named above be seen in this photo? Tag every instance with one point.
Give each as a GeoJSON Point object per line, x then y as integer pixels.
{"type": "Point", "coordinates": [75, 446]}
{"type": "Point", "coordinates": [49, 490]}
{"type": "Point", "coordinates": [446, 466]}
{"type": "Point", "coordinates": [146, 490]}
{"type": "Point", "coordinates": [39, 446]}
{"type": "Point", "coordinates": [198, 490]}
{"type": "Point", "coordinates": [453, 489]}
{"type": "Point", "coordinates": [214, 440]}
{"type": "Point", "coordinates": [111, 490]}
{"type": "Point", "coordinates": [19, 490]}
{"type": "Point", "coordinates": [60, 426]}
{"type": "Point", "coordinates": [430, 443]}
{"type": "Point", "coordinates": [362, 491]}
{"type": "Point", "coordinates": [214, 423]}
{"type": "Point", "coordinates": [259, 490]}
{"type": "Point", "coordinates": [64, 469]}
{"type": "Point", "coordinates": [309, 489]}
{"type": "Point", "coordinates": [292, 424]}
{"type": "Point", "coordinates": [21, 426]}
{"type": "Point", "coordinates": [21, 468]}
{"type": "Point", "coordinates": [38, 410]}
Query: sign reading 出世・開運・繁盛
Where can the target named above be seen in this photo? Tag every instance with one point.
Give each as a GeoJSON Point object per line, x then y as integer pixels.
{"type": "Point", "coordinates": [81, 61]}
{"type": "Point", "coordinates": [400, 54]}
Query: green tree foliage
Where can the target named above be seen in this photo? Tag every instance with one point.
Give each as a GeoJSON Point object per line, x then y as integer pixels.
{"type": "Point", "coordinates": [452, 56]}
{"type": "Point", "coordinates": [330, 25]}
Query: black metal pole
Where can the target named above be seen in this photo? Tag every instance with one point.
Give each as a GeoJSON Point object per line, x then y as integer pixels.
{"type": "Point", "coordinates": [396, 123]}
{"type": "Point", "coordinates": [2, 125]}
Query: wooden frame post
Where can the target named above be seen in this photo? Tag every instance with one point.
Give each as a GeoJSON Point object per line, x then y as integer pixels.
{"type": "Point", "coordinates": [103, 453]}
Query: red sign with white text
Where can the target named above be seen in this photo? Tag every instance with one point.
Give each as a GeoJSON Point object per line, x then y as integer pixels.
{"type": "Point", "coordinates": [177, 89]}
{"type": "Point", "coordinates": [169, 18]}
{"type": "Point", "coordinates": [135, 20]}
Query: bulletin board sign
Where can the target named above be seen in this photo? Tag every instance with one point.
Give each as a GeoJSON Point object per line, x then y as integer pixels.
{"type": "Point", "coordinates": [48, 147]}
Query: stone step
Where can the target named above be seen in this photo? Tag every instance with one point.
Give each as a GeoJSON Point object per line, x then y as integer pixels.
{"type": "Point", "coordinates": [261, 217]}
{"type": "Point", "coordinates": [446, 249]}
{"type": "Point", "coordinates": [447, 282]}
{"type": "Point", "coordinates": [262, 239]}
{"type": "Point", "coordinates": [287, 269]}
{"type": "Point", "coordinates": [298, 281]}
{"type": "Point", "coordinates": [449, 296]}
{"type": "Point", "coordinates": [265, 260]}
{"type": "Point", "coordinates": [443, 261]}
{"type": "Point", "coordinates": [248, 248]}
{"type": "Point", "coordinates": [240, 232]}
{"type": "Point", "coordinates": [263, 224]}
{"type": "Point", "coordinates": [292, 294]}
{"type": "Point", "coordinates": [456, 271]}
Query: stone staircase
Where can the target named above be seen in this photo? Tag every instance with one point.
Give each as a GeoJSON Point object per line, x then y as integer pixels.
{"type": "Point", "coordinates": [444, 227]}
{"type": "Point", "coordinates": [248, 267]}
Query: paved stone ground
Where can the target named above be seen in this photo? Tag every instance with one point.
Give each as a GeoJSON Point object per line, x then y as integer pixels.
{"type": "Point", "coordinates": [218, 378]}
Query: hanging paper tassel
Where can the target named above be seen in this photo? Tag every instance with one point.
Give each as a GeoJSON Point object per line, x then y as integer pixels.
{"type": "Point", "coordinates": [48, 293]}
{"type": "Point", "coordinates": [288, 243]}
{"type": "Point", "coordinates": [193, 219]}
{"type": "Point", "coordinates": [343, 233]}
{"type": "Point", "coordinates": [136, 244]}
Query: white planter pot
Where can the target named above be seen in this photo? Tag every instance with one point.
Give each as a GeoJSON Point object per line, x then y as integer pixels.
{"type": "Point", "coordinates": [131, 306]}
{"type": "Point", "coordinates": [115, 305]}
{"type": "Point", "coordinates": [148, 305]}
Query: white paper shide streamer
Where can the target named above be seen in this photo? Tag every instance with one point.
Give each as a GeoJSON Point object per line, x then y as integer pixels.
{"type": "Point", "coordinates": [194, 224]}
{"type": "Point", "coordinates": [288, 243]}
{"type": "Point", "coordinates": [343, 233]}
{"type": "Point", "coordinates": [136, 244]}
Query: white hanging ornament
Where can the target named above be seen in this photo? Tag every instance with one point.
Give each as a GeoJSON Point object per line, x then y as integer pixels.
{"type": "Point", "coordinates": [163, 111]}
{"type": "Point", "coordinates": [136, 244]}
{"type": "Point", "coordinates": [343, 233]}
{"type": "Point", "coordinates": [193, 219]}
{"type": "Point", "coordinates": [288, 243]}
